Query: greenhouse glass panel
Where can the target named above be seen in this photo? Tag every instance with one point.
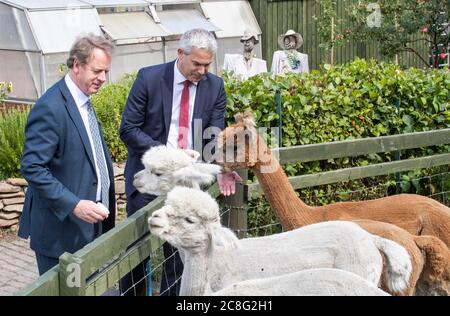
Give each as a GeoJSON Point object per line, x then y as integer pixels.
{"type": "Point", "coordinates": [55, 67]}
{"type": "Point", "coordinates": [180, 21]}
{"type": "Point", "coordinates": [172, 1]}
{"type": "Point", "coordinates": [16, 33]}
{"type": "Point", "coordinates": [130, 58]}
{"type": "Point", "coordinates": [116, 3]}
{"type": "Point", "coordinates": [47, 4]}
{"type": "Point", "coordinates": [170, 49]}
{"type": "Point", "coordinates": [56, 31]}
{"type": "Point", "coordinates": [232, 17]}
{"type": "Point", "coordinates": [131, 27]}
{"type": "Point", "coordinates": [22, 69]}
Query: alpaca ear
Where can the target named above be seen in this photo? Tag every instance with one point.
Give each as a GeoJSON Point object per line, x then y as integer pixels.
{"type": "Point", "coordinates": [239, 117]}
{"type": "Point", "coordinates": [249, 121]}
{"type": "Point", "coordinates": [208, 168]}
{"type": "Point", "coordinates": [191, 175]}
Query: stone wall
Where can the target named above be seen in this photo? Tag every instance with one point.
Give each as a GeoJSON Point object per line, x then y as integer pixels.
{"type": "Point", "coordinates": [12, 196]}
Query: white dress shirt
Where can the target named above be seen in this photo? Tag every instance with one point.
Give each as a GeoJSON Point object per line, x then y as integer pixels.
{"type": "Point", "coordinates": [80, 100]}
{"type": "Point", "coordinates": [178, 85]}
{"type": "Point", "coordinates": [240, 67]}
{"type": "Point", "coordinates": [280, 63]}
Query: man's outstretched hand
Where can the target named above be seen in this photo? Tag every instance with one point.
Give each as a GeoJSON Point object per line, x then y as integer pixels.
{"type": "Point", "coordinates": [227, 182]}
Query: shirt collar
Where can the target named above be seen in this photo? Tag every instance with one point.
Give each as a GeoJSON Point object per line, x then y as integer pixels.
{"type": "Point", "coordinates": [178, 76]}
{"type": "Point", "coordinates": [78, 95]}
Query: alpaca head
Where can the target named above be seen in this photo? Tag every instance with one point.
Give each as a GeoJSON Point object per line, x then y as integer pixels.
{"type": "Point", "coordinates": [190, 220]}
{"type": "Point", "coordinates": [240, 146]}
{"type": "Point", "coordinates": [167, 167]}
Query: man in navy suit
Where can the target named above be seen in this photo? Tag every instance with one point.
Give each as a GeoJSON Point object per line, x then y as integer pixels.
{"type": "Point", "coordinates": [173, 104]}
{"type": "Point", "coordinates": [66, 160]}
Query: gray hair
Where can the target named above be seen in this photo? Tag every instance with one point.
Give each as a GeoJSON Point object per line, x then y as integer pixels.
{"type": "Point", "coordinates": [83, 47]}
{"type": "Point", "coordinates": [198, 38]}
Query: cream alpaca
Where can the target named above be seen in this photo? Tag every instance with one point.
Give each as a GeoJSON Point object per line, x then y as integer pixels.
{"type": "Point", "coordinates": [214, 258]}
{"type": "Point", "coordinates": [167, 167]}
{"type": "Point", "coordinates": [311, 282]}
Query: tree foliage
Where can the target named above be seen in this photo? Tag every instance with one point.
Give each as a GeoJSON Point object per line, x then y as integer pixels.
{"type": "Point", "coordinates": [396, 25]}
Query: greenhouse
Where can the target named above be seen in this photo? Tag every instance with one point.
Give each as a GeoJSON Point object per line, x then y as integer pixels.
{"type": "Point", "coordinates": [37, 35]}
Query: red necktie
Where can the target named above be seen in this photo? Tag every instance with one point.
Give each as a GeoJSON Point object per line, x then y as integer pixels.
{"type": "Point", "coordinates": [183, 129]}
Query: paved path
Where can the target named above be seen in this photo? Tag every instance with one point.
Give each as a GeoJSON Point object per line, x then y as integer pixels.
{"type": "Point", "coordinates": [17, 264]}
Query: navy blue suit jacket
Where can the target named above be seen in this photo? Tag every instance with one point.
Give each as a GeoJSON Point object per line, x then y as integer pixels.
{"type": "Point", "coordinates": [148, 111]}
{"type": "Point", "coordinates": [59, 166]}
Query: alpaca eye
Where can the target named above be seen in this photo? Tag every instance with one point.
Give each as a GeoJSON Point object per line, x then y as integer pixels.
{"type": "Point", "coordinates": [190, 221]}
{"type": "Point", "coordinates": [157, 174]}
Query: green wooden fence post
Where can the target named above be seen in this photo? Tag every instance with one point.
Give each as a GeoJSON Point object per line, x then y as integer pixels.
{"type": "Point", "coordinates": [72, 278]}
{"type": "Point", "coordinates": [397, 153]}
{"type": "Point", "coordinates": [280, 118]}
{"type": "Point", "coordinates": [238, 207]}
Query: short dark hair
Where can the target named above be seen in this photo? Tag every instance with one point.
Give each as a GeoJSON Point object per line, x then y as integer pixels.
{"type": "Point", "coordinates": [83, 47]}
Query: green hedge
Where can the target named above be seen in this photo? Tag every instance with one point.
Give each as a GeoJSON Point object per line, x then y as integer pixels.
{"type": "Point", "coordinates": [109, 104]}
{"type": "Point", "coordinates": [12, 138]}
{"type": "Point", "coordinates": [355, 100]}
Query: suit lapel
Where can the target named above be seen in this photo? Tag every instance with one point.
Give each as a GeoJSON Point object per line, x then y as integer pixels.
{"type": "Point", "coordinates": [77, 120]}
{"type": "Point", "coordinates": [167, 96]}
{"type": "Point", "coordinates": [199, 105]}
{"type": "Point", "coordinates": [202, 89]}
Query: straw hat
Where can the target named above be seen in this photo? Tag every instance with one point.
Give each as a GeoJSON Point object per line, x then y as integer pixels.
{"type": "Point", "coordinates": [248, 35]}
{"type": "Point", "coordinates": [298, 37]}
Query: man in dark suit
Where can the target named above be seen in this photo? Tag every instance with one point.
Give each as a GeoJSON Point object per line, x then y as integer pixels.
{"type": "Point", "coordinates": [173, 104]}
{"type": "Point", "coordinates": [66, 160]}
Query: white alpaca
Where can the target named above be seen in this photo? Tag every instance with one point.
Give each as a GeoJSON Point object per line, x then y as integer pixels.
{"type": "Point", "coordinates": [311, 282]}
{"type": "Point", "coordinates": [167, 167]}
{"type": "Point", "coordinates": [214, 258]}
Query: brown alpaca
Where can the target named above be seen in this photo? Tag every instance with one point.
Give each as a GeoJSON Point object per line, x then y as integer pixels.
{"type": "Point", "coordinates": [430, 258]}
{"type": "Point", "coordinates": [417, 214]}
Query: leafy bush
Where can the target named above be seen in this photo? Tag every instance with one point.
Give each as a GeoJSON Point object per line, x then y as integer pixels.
{"type": "Point", "coordinates": [12, 138]}
{"type": "Point", "coordinates": [5, 89]}
{"type": "Point", "coordinates": [355, 100]}
{"type": "Point", "coordinates": [109, 104]}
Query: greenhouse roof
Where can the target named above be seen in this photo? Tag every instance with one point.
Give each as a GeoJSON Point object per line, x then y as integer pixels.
{"type": "Point", "coordinates": [47, 4]}
{"type": "Point", "coordinates": [64, 4]}
{"type": "Point", "coordinates": [179, 21]}
{"type": "Point", "coordinates": [131, 27]}
{"type": "Point", "coordinates": [239, 11]}
{"type": "Point", "coordinates": [116, 3]}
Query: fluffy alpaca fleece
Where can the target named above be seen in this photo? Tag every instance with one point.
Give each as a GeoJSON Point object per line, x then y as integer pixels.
{"type": "Point", "coordinates": [167, 167]}
{"type": "Point", "coordinates": [214, 258]}
{"type": "Point", "coordinates": [311, 282]}
{"type": "Point", "coordinates": [417, 214]}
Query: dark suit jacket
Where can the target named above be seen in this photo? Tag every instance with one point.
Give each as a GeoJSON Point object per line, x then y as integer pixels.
{"type": "Point", "coordinates": [59, 166]}
{"type": "Point", "coordinates": [148, 112]}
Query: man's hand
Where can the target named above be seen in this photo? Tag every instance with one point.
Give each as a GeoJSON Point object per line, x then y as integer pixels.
{"type": "Point", "coordinates": [89, 212]}
{"type": "Point", "coordinates": [227, 182]}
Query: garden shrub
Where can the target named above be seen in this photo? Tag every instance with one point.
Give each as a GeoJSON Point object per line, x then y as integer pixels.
{"type": "Point", "coordinates": [12, 138]}
{"type": "Point", "coordinates": [109, 104]}
{"type": "Point", "coordinates": [350, 101]}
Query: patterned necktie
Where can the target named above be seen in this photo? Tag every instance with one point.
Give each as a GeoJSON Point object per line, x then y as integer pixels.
{"type": "Point", "coordinates": [183, 129]}
{"type": "Point", "coordinates": [98, 148]}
